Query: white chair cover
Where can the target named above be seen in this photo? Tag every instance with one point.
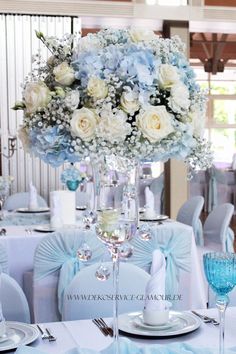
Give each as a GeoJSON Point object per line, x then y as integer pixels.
{"type": "Point", "coordinates": [3, 260]}
{"type": "Point", "coordinates": [87, 297]}
{"type": "Point", "coordinates": [177, 251]}
{"type": "Point", "coordinates": [21, 200]}
{"type": "Point", "coordinates": [189, 214]}
{"type": "Point", "coordinates": [14, 303]}
{"type": "Point", "coordinates": [217, 233]}
{"type": "Point", "coordinates": [55, 265]}
{"type": "Point", "coordinates": [157, 188]}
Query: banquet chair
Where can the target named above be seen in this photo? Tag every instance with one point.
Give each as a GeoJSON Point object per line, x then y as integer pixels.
{"type": "Point", "coordinates": [14, 303]}
{"type": "Point", "coordinates": [198, 186]}
{"type": "Point", "coordinates": [88, 297]}
{"type": "Point", "coordinates": [55, 264]}
{"type": "Point", "coordinates": [157, 188]}
{"type": "Point", "coordinates": [82, 199]}
{"type": "Point", "coordinates": [21, 200]}
{"type": "Point", "coordinates": [189, 214]}
{"type": "Point", "coordinates": [218, 236]}
{"type": "Point", "coordinates": [3, 260]}
{"type": "Point", "coordinates": [218, 191]}
{"type": "Point", "coordinates": [176, 243]}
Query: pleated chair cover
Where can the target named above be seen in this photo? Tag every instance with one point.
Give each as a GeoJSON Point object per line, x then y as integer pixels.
{"type": "Point", "coordinates": [3, 260]}
{"type": "Point", "coordinates": [218, 236]}
{"type": "Point", "coordinates": [189, 214]}
{"type": "Point", "coordinates": [177, 251]}
{"type": "Point", "coordinates": [21, 200]}
{"type": "Point", "coordinates": [217, 188]}
{"type": "Point", "coordinates": [55, 265]}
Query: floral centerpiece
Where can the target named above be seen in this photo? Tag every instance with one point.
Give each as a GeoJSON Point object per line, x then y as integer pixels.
{"type": "Point", "coordinates": [117, 92]}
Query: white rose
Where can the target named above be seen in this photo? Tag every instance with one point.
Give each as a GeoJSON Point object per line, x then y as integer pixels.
{"type": "Point", "coordinates": [109, 220]}
{"type": "Point", "coordinates": [113, 127]}
{"type": "Point", "coordinates": [141, 34]}
{"type": "Point", "coordinates": [155, 123]}
{"type": "Point", "coordinates": [129, 102]}
{"type": "Point", "coordinates": [24, 138]}
{"type": "Point", "coordinates": [72, 99]}
{"type": "Point", "coordinates": [83, 124]}
{"type": "Point", "coordinates": [197, 119]}
{"type": "Point", "coordinates": [168, 76]}
{"type": "Point", "coordinates": [36, 95]}
{"type": "Point", "coordinates": [97, 88]}
{"type": "Point", "coordinates": [64, 74]}
{"type": "Point", "coordinates": [179, 98]}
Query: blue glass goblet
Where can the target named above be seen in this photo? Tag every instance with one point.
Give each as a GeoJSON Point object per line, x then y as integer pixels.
{"type": "Point", "coordinates": [220, 271]}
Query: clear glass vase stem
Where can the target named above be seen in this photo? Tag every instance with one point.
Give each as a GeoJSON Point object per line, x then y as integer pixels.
{"type": "Point", "coordinates": [115, 259]}
{"type": "Point", "coordinates": [221, 304]}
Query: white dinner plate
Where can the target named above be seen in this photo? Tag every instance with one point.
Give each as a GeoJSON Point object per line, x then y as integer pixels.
{"type": "Point", "coordinates": [28, 211]}
{"type": "Point", "coordinates": [44, 228]}
{"type": "Point", "coordinates": [17, 334]}
{"type": "Point", "coordinates": [185, 323]}
{"type": "Point", "coordinates": [156, 218]}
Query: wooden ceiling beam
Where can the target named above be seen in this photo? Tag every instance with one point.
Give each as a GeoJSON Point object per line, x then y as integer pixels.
{"type": "Point", "coordinates": [204, 46]}
{"type": "Point", "coordinates": [217, 51]}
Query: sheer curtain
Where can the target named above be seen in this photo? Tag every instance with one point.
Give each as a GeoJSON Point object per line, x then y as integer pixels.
{"type": "Point", "coordinates": [18, 43]}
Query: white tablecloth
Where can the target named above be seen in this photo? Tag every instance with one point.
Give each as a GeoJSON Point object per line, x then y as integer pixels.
{"type": "Point", "coordinates": [86, 335]}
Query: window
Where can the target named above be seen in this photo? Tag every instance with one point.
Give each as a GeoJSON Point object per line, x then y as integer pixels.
{"type": "Point", "coordinates": [221, 112]}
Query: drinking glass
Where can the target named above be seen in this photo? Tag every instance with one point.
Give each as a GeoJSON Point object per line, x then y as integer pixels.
{"type": "Point", "coordinates": [115, 232]}
{"type": "Point", "coordinates": [220, 269]}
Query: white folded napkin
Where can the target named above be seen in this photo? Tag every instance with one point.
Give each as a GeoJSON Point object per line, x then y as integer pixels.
{"type": "Point", "coordinates": [56, 210]}
{"type": "Point", "coordinates": [155, 289]}
{"type": "Point", "coordinates": [63, 208]}
{"type": "Point", "coordinates": [150, 203]}
{"type": "Point", "coordinates": [33, 200]}
{"type": "Point", "coordinates": [2, 319]}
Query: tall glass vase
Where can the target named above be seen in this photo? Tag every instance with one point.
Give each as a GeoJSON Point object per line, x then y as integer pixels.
{"type": "Point", "coordinates": [116, 200]}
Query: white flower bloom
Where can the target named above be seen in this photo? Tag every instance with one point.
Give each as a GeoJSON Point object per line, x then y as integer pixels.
{"type": "Point", "coordinates": [83, 124]}
{"type": "Point", "coordinates": [72, 99]}
{"type": "Point", "coordinates": [113, 126]}
{"type": "Point", "coordinates": [179, 98]}
{"type": "Point", "coordinates": [24, 138]}
{"type": "Point", "coordinates": [129, 102]}
{"type": "Point", "coordinates": [64, 74]}
{"type": "Point", "coordinates": [155, 123]}
{"type": "Point", "coordinates": [197, 118]}
{"type": "Point", "coordinates": [168, 76]}
{"type": "Point", "coordinates": [141, 34]}
{"type": "Point", "coordinates": [36, 95]}
{"type": "Point", "coordinates": [97, 88]}
{"type": "Point", "coordinates": [88, 43]}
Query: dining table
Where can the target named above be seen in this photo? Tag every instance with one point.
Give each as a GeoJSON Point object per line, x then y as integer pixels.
{"type": "Point", "coordinates": [21, 242]}
{"type": "Point", "coordinates": [84, 334]}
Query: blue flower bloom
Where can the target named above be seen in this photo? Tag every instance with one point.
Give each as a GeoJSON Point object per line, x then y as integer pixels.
{"type": "Point", "coordinates": [51, 145]}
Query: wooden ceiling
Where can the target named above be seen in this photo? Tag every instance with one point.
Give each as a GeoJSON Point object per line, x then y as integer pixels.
{"type": "Point", "coordinates": [214, 50]}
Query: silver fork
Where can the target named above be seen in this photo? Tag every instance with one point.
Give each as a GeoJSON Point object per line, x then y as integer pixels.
{"type": "Point", "coordinates": [100, 326]}
{"type": "Point", "coordinates": [109, 329]}
{"type": "Point", "coordinates": [50, 336]}
{"type": "Point", "coordinates": [43, 334]}
{"type": "Point", "coordinates": [206, 319]}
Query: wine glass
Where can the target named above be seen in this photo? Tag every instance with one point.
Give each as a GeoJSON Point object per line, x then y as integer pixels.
{"type": "Point", "coordinates": [220, 269]}
{"type": "Point", "coordinates": [115, 232]}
